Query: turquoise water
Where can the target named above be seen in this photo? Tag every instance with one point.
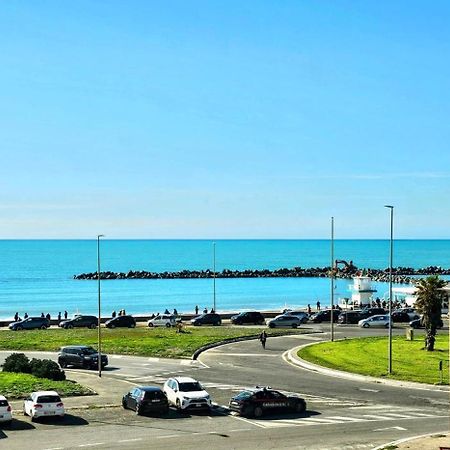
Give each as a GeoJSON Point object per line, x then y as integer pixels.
{"type": "Point", "coordinates": [36, 275]}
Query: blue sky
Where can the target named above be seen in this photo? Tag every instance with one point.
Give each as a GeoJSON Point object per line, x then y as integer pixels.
{"type": "Point", "coordinates": [224, 119]}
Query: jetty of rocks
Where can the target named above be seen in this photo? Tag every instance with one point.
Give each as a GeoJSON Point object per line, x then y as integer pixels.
{"type": "Point", "coordinates": [404, 275]}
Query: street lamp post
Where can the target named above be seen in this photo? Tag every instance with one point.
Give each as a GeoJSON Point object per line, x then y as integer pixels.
{"type": "Point", "coordinates": [99, 308]}
{"type": "Point", "coordinates": [214, 277]}
{"type": "Point", "coordinates": [332, 281]}
{"type": "Point", "coordinates": [391, 208]}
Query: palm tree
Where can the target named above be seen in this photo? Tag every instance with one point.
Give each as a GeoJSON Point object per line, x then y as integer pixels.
{"type": "Point", "coordinates": [429, 303]}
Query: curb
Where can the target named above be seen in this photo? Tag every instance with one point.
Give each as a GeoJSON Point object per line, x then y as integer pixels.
{"type": "Point", "coordinates": [402, 441]}
{"type": "Point", "coordinates": [292, 357]}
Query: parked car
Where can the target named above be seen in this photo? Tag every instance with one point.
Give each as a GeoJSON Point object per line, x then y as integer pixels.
{"type": "Point", "coordinates": [121, 321]}
{"type": "Point", "coordinates": [419, 324]}
{"type": "Point", "coordinates": [369, 312]}
{"type": "Point", "coordinates": [400, 316]}
{"type": "Point", "coordinates": [80, 356]}
{"type": "Point", "coordinates": [164, 320]}
{"type": "Point", "coordinates": [43, 404]}
{"type": "Point", "coordinates": [31, 323]}
{"type": "Point", "coordinates": [248, 317]}
{"type": "Point", "coordinates": [375, 321]}
{"type": "Point", "coordinates": [5, 411]}
{"type": "Point", "coordinates": [302, 315]}
{"type": "Point", "coordinates": [325, 315]}
{"type": "Point", "coordinates": [256, 402]}
{"type": "Point", "coordinates": [207, 319]}
{"type": "Point", "coordinates": [412, 313]}
{"type": "Point", "coordinates": [146, 399]}
{"type": "Point", "coordinates": [353, 316]}
{"type": "Point", "coordinates": [284, 321]}
{"type": "Point", "coordinates": [80, 321]}
{"type": "Point", "coordinates": [186, 393]}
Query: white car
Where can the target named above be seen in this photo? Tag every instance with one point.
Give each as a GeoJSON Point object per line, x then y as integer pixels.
{"type": "Point", "coordinates": [5, 411]}
{"type": "Point", "coordinates": [185, 392]}
{"type": "Point", "coordinates": [165, 320]}
{"type": "Point", "coordinates": [375, 321]}
{"type": "Point", "coordinates": [43, 404]}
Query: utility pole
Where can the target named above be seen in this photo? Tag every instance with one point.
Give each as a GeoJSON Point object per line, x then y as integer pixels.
{"type": "Point", "coordinates": [332, 281]}
{"type": "Point", "coordinates": [391, 256]}
{"type": "Point", "coordinates": [99, 308]}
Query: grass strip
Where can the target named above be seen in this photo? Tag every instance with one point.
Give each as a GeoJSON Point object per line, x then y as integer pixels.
{"type": "Point", "coordinates": [369, 356]}
{"type": "Point", "coordinates": [140, 341]}
{"type": "Point", "coordinates": [20, 385]}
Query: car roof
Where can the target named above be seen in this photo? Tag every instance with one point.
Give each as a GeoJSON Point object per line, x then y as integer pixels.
{"type": "Point", "coordinates": [2, 397]}
{"type": "Point", "coordinates": [149, 388]}
{"type": "Point", "coordinates": [185, 380]}
{"type": "Point", "coordinates": [76, 346]}
{"type": "Point", "coordinates": [38, 393]}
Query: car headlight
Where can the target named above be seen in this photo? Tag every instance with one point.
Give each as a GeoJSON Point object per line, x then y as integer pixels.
{"type": "Point", "coordinates": [87, 357]}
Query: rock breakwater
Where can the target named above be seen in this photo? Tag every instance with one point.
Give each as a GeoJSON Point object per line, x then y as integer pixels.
{"type": "Point", "coordinates": [404, 275]}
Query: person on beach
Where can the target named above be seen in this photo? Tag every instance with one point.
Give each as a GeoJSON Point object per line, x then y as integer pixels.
{"type": "Point", "coordinates": [196, 309]}
{"type": "Point", "coordinates": [25, 316]}
{"type": "Point", "coordinates": [42, 315]}
{"type": "Point", "coordinates": [263, 339]}
{"type": "Point", "coordinates": [175, 312]}
{"type": "Point", "coordinates": [16, 317]}
{"type": "Point", "coordinates": [309, 309]}
{"type": "Point", "coordinates": [166, 311]}
{"type": "Point", "coordinates": [48, 317]}
{"type": "Point", "coordinates": [113, 314]}
{"type": "Point", "coordinates": [205, 310]}
{"type": "Point", "coordinates": [318, 305]}
{"type": "Point", "coordinates": [59, 317]}
{"type": "Point", "coordinates": [65, 315]}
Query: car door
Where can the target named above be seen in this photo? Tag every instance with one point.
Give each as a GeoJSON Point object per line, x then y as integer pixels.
{"type": "Point", "coordinates": [132, 398]}
{"type": "Point", "coordinates": [170, 391]}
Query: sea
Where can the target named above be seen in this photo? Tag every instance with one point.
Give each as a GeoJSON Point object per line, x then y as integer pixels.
{"type": "Point", "coordinates": [36, 276]}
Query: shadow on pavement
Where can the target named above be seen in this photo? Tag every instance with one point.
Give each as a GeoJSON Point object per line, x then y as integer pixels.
{"type": "Point", "coordinates": [292, 415]}
{"type": "Point", "coordinates": [68, 420]}
{"type": "Point", "coordinates": [16, 425]}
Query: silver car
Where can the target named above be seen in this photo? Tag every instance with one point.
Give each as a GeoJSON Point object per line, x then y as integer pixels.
{"type": "Point", "coordinates": [375, 321]}
{"type": "Point", "coordinates": [285, 321]}
{"type": "Point", "coordinates": [302, 315]}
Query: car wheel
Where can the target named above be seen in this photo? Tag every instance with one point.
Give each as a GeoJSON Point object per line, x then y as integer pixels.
{"type": "Point", "coordinates": [386, 326]}
{"type": "Point", "coordinates": [294, 325]}
{"type": "Point", "coordinates": [70, 326]}
{"type": "Point", "coordinates": [257, 411]}
{"type": "Point", "coordinates": [271, 325]}
{"type": "Point", "coordinates": [92, 326]}
{"type": "Point", "coordinates": [63, 364]}
{"type": "Point", "coordinates": [19, 328]}
{"type": "Point", "coordinates": [33, 419]}
{"type": "Point", "coordinates": [300, 407]}
{"type": "Point", "coordinates": [133, 325]}
{"type": "Point", "coordinates": [168, 325]}
{"type": "Point", "coordinates": [151, 325]}
{"type": "Point", "coordinates": [138, 410]}
{"type": "Point", "coordinates": [366, 325]}
{"type": "Point", "coordinates": [219, 322]}
{"type": "Point", "coordinates": [112, 326]}
{"type": "Point", "coordinates": [43, 327]}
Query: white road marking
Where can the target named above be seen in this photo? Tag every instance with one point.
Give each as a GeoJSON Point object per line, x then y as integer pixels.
{"type": "Point", "coordinates": [130, 440]}
{"type": "Point", "coordinates": [168, 436]}
{"type": "Point", "coordinates": [369, 390]}
{"type": "Point", "coordinates": [92, 445]}
{"type": "Point", "coordinates": [348, 419]}
{"type": "Point", "coordinates": [391, 428]}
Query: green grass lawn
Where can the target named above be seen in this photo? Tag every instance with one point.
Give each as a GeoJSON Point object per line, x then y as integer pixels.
{"type": "Point", "coordinates": [368, 356]}
{"type": "Point", "coordinates": [19, 385]}
{"type": "Point", "coordinates": [144, 341]}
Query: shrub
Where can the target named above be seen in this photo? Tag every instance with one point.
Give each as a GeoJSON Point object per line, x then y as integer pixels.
{"type": "Point", "coordinates": [46, 368]}
{"type": "Point", "coordinates": [17, 362]}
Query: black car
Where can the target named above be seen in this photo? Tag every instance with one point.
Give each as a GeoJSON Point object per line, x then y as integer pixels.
{"type": "Point", "coordinates": [369, 312]}
{"type": "Point", "coordinates": [80, 356]}
{"type": "Point", "coordinates": [146, 399]}
{"type": "Point", "coordinates": [418, 323]}
{"type": "Point", "coordinates": [31, 323]}
{"type": "Point", "coordinates": [325, 315]}
{"type": "Point", "coordinates": [248, 317]}
{"type": "Point", "coordinates": [349, 317]}
{"type": "Point", "coordinates": [256, 402]}
{"type": "Point", "coordinates": [400, 316]}
{"type": "Point", "coordinates": [121, 321]}
{"type": "Point", "coordinates": [80, 321]}
{"type": "Point", "coordinates": [207, 319]}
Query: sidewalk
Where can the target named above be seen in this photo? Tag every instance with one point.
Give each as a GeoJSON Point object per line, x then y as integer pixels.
{"type": "Point", "coordinates": [108, 392]}
{"type": "Point", "coordinates": [433, 442]}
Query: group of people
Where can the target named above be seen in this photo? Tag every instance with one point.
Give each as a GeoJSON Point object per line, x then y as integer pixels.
{"type": "Point", "coordinates": [205, 310]}
{"type": "Point", "coordinates": [17, 318]}
{"type": "Point", "coordinates": [121, 313]}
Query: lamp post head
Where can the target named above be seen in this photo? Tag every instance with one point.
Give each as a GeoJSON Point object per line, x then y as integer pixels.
{"type": "Point", "coordinates": [389, 206]}
{"type": "Point", "coordinates": [100, 235]}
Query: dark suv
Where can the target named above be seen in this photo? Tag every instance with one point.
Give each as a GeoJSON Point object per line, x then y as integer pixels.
{"type": "Point", "coordinates": [207, 319]}
{"type": "Point", "coordinates": [349, 317]}
{"type": "Point", "coordinates": [80, 321]}
{"type": "Point", "coordinates": [369, 312]}
{"type": "Point", "coordinates": [31, 323]}
{"type": "Point", "coordinates": [325, 316]}
{"type": "Point", "coordinates": [121, 321]}
{"type": "Point", "coordinates": [80, 356]}
{"type": "Point", "coordinates": [146, 399]}
{"type": "Point", "coordinates": [248, 317]}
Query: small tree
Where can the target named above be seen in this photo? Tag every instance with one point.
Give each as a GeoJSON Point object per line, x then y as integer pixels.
{"type": "Point", "coordinates": [46, 368]}
{"type": "Point", "coordinates": [429, 304]}
{"type": "Point", "coordinates": [17, 362]}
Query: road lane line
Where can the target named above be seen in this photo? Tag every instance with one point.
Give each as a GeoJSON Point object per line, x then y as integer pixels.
{"type": "Point", "coordinates": [130, 440]}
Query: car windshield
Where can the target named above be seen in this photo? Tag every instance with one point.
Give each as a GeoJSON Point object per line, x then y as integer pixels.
{"type": "Point", "coordinates": [48, 399]}
{"type": "Point", "coordinates": [190, 387]}
{"type": "Point", "coordinates": [88, 351]}
{"type": "Point", "coordinates": [3, 403]}
{"type": "Point", "coordinates": [244, 395]}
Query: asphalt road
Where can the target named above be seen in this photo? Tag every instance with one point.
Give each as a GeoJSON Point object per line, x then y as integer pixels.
{"type": "Point", "coordinates": [341, 414]}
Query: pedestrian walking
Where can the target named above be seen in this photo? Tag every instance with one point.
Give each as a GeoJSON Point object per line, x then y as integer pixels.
{"type": "Point", "coordinates": [318, 305]}
{"type": "Point", "coordinates": [309, 309]}
{"type": "Point", "coordinates": [196, 309]}
{"type": "Point", "coordinates": [59, 317]}
{"type": "Point", "coordinates": [263, 339]}
{"type": "Point", "coordinates": [16, 317]}
{"type": "Point", "coordinates": [65, 315]}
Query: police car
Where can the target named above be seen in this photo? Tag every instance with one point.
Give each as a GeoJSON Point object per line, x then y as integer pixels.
{"type": "Point", "coordinates": [261, 400]}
